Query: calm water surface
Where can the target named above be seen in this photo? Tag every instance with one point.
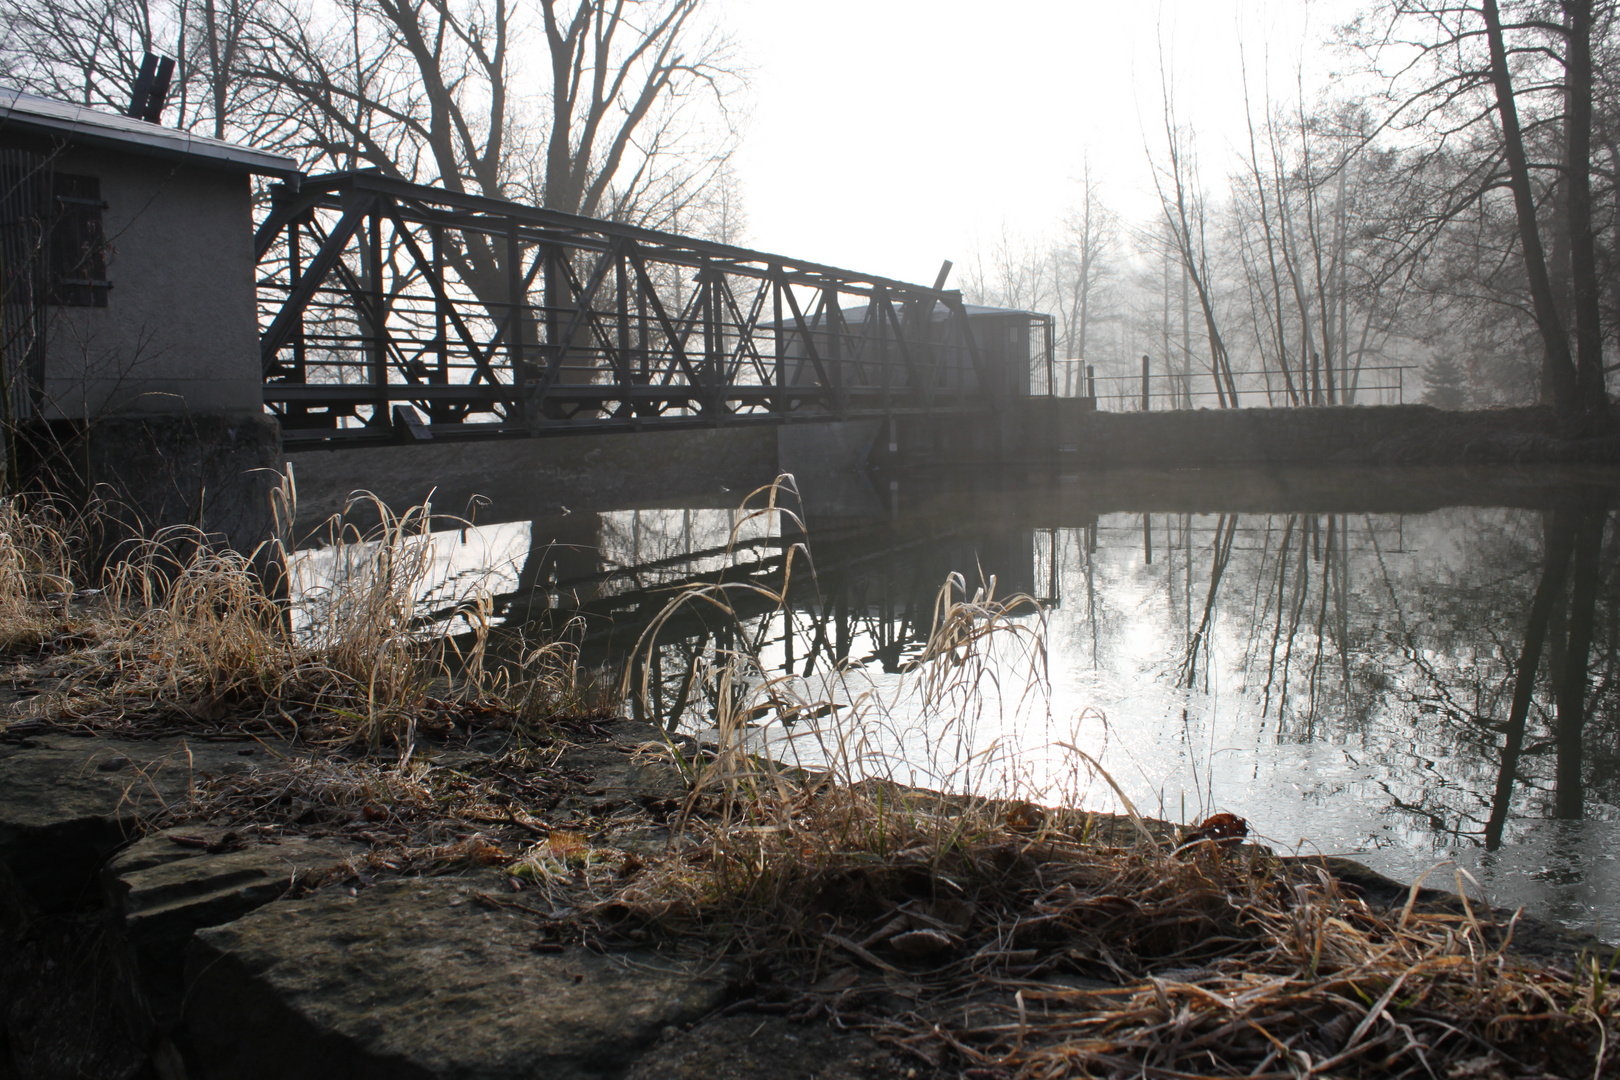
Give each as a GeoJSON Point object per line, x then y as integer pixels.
{"type": "Point", "coordinates": [1334, 657]}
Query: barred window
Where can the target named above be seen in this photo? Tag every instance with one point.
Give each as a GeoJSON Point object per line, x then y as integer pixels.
{"type": "Point", "coordinates": [78, 253]}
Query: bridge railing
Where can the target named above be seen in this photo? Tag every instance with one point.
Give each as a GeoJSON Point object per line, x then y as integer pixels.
{"type": "Point", "coordinates": [392, 310]}
{"type": "Point", "coordinates": [1382, 384]}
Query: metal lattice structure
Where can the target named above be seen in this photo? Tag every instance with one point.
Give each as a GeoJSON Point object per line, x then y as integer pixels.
{"type": "Point", "coordinates": [392, 310]}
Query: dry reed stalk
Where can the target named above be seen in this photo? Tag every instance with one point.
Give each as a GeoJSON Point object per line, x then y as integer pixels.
{"type": "Point", "coordinates": [40, 567]}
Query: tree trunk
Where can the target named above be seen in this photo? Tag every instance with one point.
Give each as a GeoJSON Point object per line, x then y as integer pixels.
{"type": "Point", "coordinates": [1589, 380]}
{"type": "Point", "coordinates": [1558, 370]}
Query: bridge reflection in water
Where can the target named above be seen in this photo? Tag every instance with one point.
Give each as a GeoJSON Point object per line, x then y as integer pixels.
{"type": "Point", "coordinates": [1411, 681]}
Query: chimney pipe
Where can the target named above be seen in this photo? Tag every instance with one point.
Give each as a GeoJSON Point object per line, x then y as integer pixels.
{"type": "Point", "coordinates": [151, 88]}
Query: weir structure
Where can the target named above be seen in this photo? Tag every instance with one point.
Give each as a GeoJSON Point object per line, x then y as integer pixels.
{"type": "Point", "coordinates": [390, 311]}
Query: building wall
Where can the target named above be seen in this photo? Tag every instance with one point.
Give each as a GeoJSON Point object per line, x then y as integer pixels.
{"type": "Point", "coordinates": [1002, 340]}
{"type": "Point", "coordinates": [179, 333]}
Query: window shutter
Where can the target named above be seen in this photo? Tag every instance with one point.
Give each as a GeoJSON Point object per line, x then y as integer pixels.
{"type": "Point", "coordinates": [78, 255]}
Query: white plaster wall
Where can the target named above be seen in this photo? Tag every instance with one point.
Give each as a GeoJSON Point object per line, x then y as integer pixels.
{"type": "Point", "coordinates": [179, 333]}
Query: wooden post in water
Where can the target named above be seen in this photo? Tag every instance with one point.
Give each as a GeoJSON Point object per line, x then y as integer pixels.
{"type": "Point", "coordinates": [1144, 382]}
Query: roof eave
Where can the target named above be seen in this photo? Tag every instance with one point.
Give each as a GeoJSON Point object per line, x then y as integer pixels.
{"type": "Point", "coordinates": [175, 145]}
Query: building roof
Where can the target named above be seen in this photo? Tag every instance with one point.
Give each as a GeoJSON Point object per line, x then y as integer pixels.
{"type": "Point", "coordinates": [979, 309]}
{"type": "Point", "coordinates": [857, 315]}
{"type": "Point", "coordinates": [80, 125]}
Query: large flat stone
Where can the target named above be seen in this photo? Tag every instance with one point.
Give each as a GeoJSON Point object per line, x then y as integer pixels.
{"type": "Point", "coordinates": [417, 978]}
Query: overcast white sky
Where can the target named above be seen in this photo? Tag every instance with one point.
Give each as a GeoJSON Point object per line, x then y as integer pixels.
{"type": "Point", "coordinates": [887, 135]}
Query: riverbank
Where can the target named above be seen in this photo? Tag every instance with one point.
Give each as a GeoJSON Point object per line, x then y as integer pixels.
{"type": "Point", "coordinates": [570, 905]}
{"type": "Point", "coordinates": [273, 859]}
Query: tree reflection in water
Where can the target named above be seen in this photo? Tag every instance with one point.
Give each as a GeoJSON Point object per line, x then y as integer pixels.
{"type": "Point", "coordinates": [1562, 615]}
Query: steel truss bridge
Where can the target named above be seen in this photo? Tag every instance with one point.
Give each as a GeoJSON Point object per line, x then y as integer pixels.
{"type": "Point", "coordinates": [392, 311]}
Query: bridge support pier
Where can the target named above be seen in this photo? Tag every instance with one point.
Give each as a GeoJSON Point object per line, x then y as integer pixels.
{"type": "Point", "coordinates": [829, 462]}
{"type": "Point", "coordinates": [961, 439]}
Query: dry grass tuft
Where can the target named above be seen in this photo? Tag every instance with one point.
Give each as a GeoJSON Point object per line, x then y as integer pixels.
{"type": "Point", "coordinates": [979, 948]}
{"type": "Point", "coordinates": [39, 566]}
{"type": "Point", "coordinates": [183, 635]}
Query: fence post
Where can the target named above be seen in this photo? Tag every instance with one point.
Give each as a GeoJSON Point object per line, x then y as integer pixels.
{"type": "Point", "coordinates": [1050, 325]}
{"type": "Point", "coordinates": [1144, 382]}
{"type": "Point", "coordinates": [1091, 382]}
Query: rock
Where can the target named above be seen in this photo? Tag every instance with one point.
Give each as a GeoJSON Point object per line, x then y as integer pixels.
{"type": "Point", "coordinates": [66, 803]}
{"type": "Point", "coordinates": [63, 808]}
{"type": "Point", "coordinates": [161, 891]}
{"type": "Point", "coordinates": [71, 1000]}
{"type": "Point", "coordinates": [419, 978]}
{"type": "Point", "coordinates": [751, 1047]}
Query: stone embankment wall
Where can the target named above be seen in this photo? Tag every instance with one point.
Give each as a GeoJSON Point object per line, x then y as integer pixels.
{"type": "Point", "coordinates": [1343, 435]}
{"type": "Point", "coordinates": [1070, 433]}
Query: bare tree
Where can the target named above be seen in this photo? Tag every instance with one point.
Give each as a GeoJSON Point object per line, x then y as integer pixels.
{"type": "Point", "coordinates": [1091, 232]}
{"type": "Point", "coordinates": [1014, 273]}
{"type": "Point", "coordinates": [718, 213]}
{"type": "Point", "coordinates": [433, 91]}
{"type": "Point", "coordinates": [1559, 369]}
{"type": "Point", "coordinates": [1185, 211]}
{"type": "Point", "coordinates": [1515, 86]}
{"type": "Point", "coordinates": [89, 52]}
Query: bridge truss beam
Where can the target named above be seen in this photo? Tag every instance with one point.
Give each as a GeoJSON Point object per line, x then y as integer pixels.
{"type": "Point", "coordinates": [391, 310]}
